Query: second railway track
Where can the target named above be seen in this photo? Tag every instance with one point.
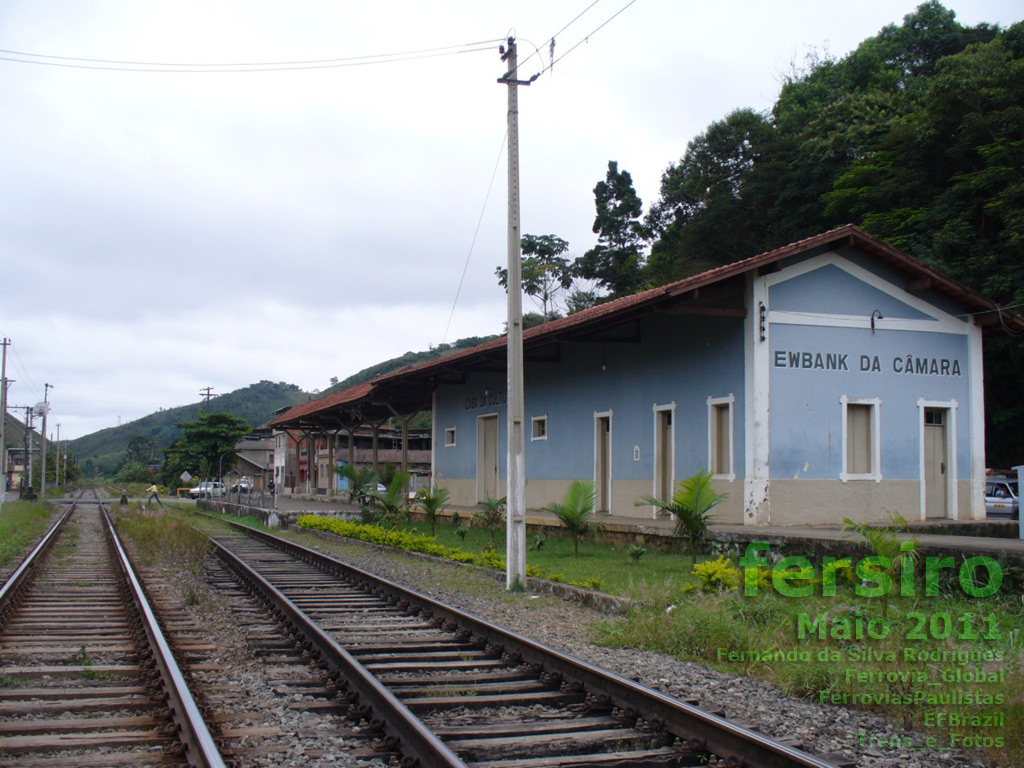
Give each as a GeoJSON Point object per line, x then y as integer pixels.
{"type": "Point", "coordinates": [444, 688]}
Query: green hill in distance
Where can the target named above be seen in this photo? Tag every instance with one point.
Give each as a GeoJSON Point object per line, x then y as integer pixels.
{"type": "Point", "coordinates": [255, 403]}
{"type": "Point", "coordinates": [409, 358]}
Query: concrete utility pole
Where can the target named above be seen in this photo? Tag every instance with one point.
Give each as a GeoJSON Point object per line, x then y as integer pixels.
{"type": "Point", "coordinates": [46, 410]}
{"type": "Point", "coordinates": [515, 538]}
{"type": "Point", "coordinates": [26, 491]}
{"type": "Point", "coordinates": [3, 421]}
{"type": "Point", "coordinates": [206, 392]}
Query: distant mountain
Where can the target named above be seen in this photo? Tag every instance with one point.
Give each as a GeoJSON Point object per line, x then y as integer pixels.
{"type": "Point", "coordinates": [256, 403]}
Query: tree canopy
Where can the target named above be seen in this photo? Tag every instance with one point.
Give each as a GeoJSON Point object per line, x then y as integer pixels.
{"type": "Point", "coordinates": [204, 445]}
{"type": "Point", "coordinates": [917, 136]}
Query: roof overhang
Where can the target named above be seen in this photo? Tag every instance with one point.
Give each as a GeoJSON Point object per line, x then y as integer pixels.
{"type": "Point", "coordinates": [717, 293]}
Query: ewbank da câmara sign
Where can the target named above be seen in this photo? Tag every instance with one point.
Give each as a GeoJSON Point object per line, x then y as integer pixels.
{"type": "Point", "coordinates": [805, 360]}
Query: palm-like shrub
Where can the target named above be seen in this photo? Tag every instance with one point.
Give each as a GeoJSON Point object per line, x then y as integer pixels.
{"type": "Point", "coordinates": [573, 512]}
{"type": "Point", "coordinates": [432, 501]}
{"type": "Point", "coordinates": [886, 543]}
{"type": "Point", "coordinates": [491, 516]}
{"type": "Point", "coordinates": [393, 501]}
{"type": "Point", "coordinates": [692, 502]}
{"type": "Point", "coordinates": [361, 483]}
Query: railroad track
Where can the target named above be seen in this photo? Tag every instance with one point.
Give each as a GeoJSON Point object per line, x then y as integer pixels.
{"type": "Point", "coordinates": [86, 678]}
{"type": "Point", "coordinates": [443, 688]}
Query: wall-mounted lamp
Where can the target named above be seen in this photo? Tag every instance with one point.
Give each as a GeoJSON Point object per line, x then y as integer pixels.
{"type": "Point", "coordinates": [873, 314]}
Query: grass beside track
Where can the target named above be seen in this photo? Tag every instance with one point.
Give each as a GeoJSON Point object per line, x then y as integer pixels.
{"type": "Point", "coordinates": [163, 536]}
{"type": "Point", "coordinates": [21, 523]}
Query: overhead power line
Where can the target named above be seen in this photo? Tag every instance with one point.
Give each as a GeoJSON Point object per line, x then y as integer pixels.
{"type": "Point", "coordinates": [557, 34]}
{"type": "Point", "coordinates": [72, 62]}
{"type": "Point", "coordinates": [472, 245]}
{"type": "Point", "coordinates": [587, 37]}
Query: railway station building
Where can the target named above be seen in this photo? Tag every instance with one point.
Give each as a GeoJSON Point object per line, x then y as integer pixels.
{"type": "Point", "coordinates": [834, 377]}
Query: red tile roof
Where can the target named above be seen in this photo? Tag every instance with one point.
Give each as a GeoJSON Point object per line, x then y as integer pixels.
{"type": "Point", "coordinates": [629, 306]}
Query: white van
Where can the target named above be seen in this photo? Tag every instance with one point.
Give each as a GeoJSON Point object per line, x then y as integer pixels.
{"type": "Point", "coordinates": [208, 489]}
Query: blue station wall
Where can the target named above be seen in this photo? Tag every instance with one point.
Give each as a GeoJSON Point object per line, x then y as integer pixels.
{"type": "Point", "coordinates": [677, 359]}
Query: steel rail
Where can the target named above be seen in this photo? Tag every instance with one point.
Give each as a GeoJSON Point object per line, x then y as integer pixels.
{"type": "Point", "coordinates": [407, 733]}
{"type": "Point", "coordinates": [703, 730]}
{"type": "Point", "coordinates": [200, 748]}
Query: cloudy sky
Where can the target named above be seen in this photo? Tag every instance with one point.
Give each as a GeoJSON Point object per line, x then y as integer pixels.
{"type": "Point", "coordinates": [166, 231]}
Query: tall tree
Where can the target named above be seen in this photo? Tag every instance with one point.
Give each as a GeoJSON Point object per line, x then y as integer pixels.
{"type": "Point", "coordinates": [917, 135]}
{"type": "Point", "coordinates": [141, 448]}
{"type": "Point", "coordinates": [704, 215]}
{"type": "Point", "coordinates": [204, 444]}
{"type": "Point", "coordinates": [616, 262]}
{"type": "Point", "coordinates": [546, 273]}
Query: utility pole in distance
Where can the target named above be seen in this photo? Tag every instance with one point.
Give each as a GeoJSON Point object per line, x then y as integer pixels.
{"type": "Point", "coordinates": [515, 474]}
{"type": "Point", "coordinates": [26, 473]}
{"type": "Point", "coordinates": [46, 410]}
{"type": "Point", "coordinates": [3, 421]}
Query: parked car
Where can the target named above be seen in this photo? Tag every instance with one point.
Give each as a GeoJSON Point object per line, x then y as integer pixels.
{"type": "Point", "coordinates": [208, 489]}
{"type": "Point", "coordinates": [244, 485]}
{"type": "Point", "coordinates": [1002, 497]}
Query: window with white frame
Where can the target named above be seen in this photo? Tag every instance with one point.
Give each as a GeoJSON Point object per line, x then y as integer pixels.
{"type": "Point", "coordinates": [539, 428]}
{"type": "Point", "coordinates": [861, 439]}
{"type": "Point", "coordinates": [720, 437]}
{"type": "Point", "coordinates": [449, 437]}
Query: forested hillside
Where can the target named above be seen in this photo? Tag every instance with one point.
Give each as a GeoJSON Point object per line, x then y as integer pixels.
{"type": "Point", "coordinates": [101, 452]}
{"type": "Point", "coordinates": [409, 358]}
{"type": "Point", "coordinates": [144, 440]}
{"type": "Point", "coordinates": [917, 136]}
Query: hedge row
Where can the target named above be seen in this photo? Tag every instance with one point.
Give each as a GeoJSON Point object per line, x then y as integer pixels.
{"type": "Point", "coordinates": [414, 542]}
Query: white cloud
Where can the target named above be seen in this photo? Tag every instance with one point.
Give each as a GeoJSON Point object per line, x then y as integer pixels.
{"type": "Point", "coordinates": [163, 232]}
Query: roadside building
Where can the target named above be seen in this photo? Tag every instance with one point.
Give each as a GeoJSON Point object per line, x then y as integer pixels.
{"type": "Point", "coordinates": [371, 446]}
{"type": "Point", "coordinates": [254, 458]}
{"type": "Point", "coordinates": [14, 450]}
{"type": "Point", "coordinates": [835, 377]}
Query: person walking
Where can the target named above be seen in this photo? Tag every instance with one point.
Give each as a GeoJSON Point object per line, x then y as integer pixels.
{"type": "Point", "coordinates": [154, 493]}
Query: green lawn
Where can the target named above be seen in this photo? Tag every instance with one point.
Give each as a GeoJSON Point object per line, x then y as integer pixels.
{"type": "Point", "coordinates": [617, 572]}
